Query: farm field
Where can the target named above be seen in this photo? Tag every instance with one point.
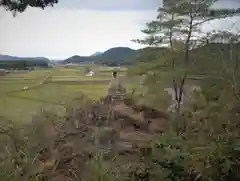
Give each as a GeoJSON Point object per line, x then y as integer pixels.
{"type": "Point", "coordinates": [23, 93]}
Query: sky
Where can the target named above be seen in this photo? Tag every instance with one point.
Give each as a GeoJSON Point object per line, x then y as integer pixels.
{"type": "Point", "coordinates": [82, 27]}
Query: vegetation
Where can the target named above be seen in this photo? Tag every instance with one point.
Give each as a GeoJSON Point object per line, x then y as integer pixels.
{"type": "Point", "coordinates": [97, 141]}
{"type": "Point", "coordinates": [112, 57]}
{"type": "Point", "coordinates": [47, 89]}
{"type": "Point", "coordinates": [203, 136]}
{"type": "Point", "coordinates": [22, 64]}
{"type": "Point", "coordinates": [20, 6]}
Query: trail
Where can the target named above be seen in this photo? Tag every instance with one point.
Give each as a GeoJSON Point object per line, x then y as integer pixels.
{"type": "Point", "coordinates": [37, 85]}
{"type": "Point", "coordinates": [148, 119]}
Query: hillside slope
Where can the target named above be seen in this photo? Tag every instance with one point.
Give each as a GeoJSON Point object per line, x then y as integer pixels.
{"type": "Point", "coordinates": [15, 58]}
{"type": "Point", "coordinates": [96, 54]}
{"type": "Point", "coordinates": [113, 56]}
{"type": "Point", "coordinates": [9, 62]}
{"type": "Point", "coordinates": [118, 55]}
{"type": "Point", "coordinates": [78, 59]}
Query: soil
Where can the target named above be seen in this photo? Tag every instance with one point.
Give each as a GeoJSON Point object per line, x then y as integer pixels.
{"type": "Point", "coordinates": [126, 134]}
{"type": "Point", "coordinates": [145, 119]}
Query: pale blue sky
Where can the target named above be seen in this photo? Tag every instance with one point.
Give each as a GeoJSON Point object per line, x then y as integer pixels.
{"type": "Point", "coordinates": [110, 5]}
{"type": "Point", "coordinates": [81, 27]}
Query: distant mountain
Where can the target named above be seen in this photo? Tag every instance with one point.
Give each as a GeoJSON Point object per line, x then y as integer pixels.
{"type": "Point", "coordinates": [6, 57]}
{"type": "Point", "coordinates": [14, 58]}
{"type": "Point", "coordinates": [113, 56]}
{"type": "Point", "coordinates": [214, 56]}
{"type": "Point", "coordinates": [96, 54]}
{"type": "Point", "coordinates": [119, 52]}
{"type": "Point", "coordinates": [205, 59]}
{"type": "Point", "coordinates": [78, 59]}
{"type": "Point", "coordinates": [117, 56]}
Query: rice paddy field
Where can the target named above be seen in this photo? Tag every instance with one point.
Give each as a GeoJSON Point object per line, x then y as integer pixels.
{"type": "Point", "coordinates": [24, 93]}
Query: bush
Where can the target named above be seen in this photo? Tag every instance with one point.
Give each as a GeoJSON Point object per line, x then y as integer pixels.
{"type": "Point", "coordinates": [66, 147]}
{"type": "Point", "coordinates": [202, 146]}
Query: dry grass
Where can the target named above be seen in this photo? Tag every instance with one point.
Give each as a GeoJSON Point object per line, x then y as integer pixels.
{"type": "Point", "coordinates": [72, 146]}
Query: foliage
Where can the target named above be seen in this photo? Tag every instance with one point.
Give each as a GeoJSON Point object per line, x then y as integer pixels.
{"type": "Point", "coordinates": [202, 141]}
{"type": "Point", "coordinates": [87, 69]}
{"type": "Point", "coordinates": [20, 6]}
{"type": "Point", "coordinates": [64, 84]}
{"type": "Point", "coordinates": [177, 26]}
{"type": "Point", "coordinates": [21, 64]}
{"type": "Point", "coordinates": [112, 57]}
{"type": "Point", "coordinates": [55, 147]}
{"type": "Point", "coordinates": [204, 144]}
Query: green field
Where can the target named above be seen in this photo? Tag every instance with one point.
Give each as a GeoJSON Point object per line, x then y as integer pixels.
{"type": "Point", "coordinates": [48, 89]}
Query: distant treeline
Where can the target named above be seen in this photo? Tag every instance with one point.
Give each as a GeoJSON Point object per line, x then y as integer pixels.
{"type": "Point", "coordinates": [118, 56]}
{"type": "Point", "coordinates": [22, 64]}
{"type": "Point", "coordinates": [114, 63]}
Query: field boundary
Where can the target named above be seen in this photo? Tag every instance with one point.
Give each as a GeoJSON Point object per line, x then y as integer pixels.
{"type": "Point", "coordinates": [82, 82]}
{"type": "Point", "coordinates": [37, 85]}
{"type": "Point", "coordinates": [36, 100]}
{"type": "Point", "coordinates": [25, 92]}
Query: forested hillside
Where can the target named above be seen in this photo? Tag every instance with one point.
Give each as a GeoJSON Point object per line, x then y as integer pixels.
{"type": "Point", "coordinates": [173, 116]}
{"type": "Point", "coordinates": [112, 57]}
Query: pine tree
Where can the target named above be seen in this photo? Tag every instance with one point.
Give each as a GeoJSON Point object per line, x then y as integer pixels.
{"type": "Point", "coordinates": [177, 26]}
{"type": "Point", "coordinates": [20, 6]}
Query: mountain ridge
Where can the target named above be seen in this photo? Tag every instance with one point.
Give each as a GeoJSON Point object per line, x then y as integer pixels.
{"type": "Point", "coordinates": [16, 58]}
{"type": "Point", "coordinates": [96, 54]}
{"type": "Point", "coordinates": [112, 56]}
{"type": "Point", "coordinates": [126, 56]}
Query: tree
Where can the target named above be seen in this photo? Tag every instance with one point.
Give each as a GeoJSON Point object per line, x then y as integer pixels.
{"type": "Point", "coordinates": [179, 21]}
{"type": "Point", "coordinates": [202, 143]}
{"type": "Point", "coordinates": [21, 5]}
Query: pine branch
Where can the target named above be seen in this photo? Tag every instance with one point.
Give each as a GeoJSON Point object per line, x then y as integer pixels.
{"type": "Point", "coordinates": [20, 6]}
{"type": "Point", "coordinates": [219, 14]}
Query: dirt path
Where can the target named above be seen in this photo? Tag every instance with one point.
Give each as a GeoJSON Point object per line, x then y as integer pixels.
{"type": "Point", "coordinates": [139, 119]}
{"type": "Point", "coordinates": [43, 81]}
{"type": "Point", "coordinates": [126, 110]}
